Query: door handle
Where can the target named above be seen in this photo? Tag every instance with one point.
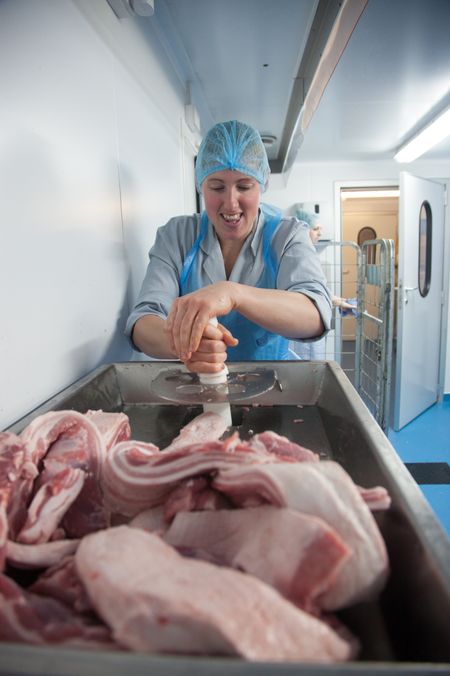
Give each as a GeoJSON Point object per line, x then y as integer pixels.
{"type": "Point", "coordinates": [409, 289]}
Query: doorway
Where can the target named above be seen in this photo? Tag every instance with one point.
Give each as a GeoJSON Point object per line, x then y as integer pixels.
{"type": "Point", "coordinates": [368, 219]}
{"type": "Point", "coordinates": [398, 216]}
{"type": "Point", "coordinates": [367, 212]}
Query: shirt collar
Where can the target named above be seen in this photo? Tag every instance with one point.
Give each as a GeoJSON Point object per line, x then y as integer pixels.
{"type": "Point", "coordinates": [210, 241]}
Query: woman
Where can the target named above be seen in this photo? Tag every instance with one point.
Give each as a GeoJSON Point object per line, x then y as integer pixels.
{"type": "Point", "coordinates": [239, 261]}
{"type": "Point", "coordinates": [317, 349]}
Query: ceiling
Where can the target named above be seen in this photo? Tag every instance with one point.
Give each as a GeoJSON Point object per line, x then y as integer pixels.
{"type": "Point", "coordinates": [254, 60]}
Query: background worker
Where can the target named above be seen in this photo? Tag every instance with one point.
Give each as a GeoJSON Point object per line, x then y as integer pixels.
{"type": "Point", "coordinates": [317, 349]}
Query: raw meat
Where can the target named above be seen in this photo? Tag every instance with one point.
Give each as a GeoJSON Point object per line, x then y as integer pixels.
{"type": "Point", "coordinates": [282, 447]}
{"type": "Point", "coordinates": [17, 473]}
{"type": "Point", "coordinates": [70, 439]}
{"type": "Point", "coordinates": [297, 554]}
{"type": "Point", "coordinates": [208, 426]}
{"type": "Point", "coordinates": [322, 489]}
{"type": "Point", "coordinates": [61, 582]}
{"type": "Point", "coordinates": [287, 536]}
{"type": "Point", "coordinates": [29, 618]}
{"type": "Point", "coordinates": [50, 504]}
{"type": "Point", "coordinates": [113, 427]}
{"type": "Point", "coordinates": [81, 437]}
{"type": "Point", "coordinates": [155, 600]}
{"type": "Point", "coordinates": [39, 556]}
{"type": "Point", "coordinates": [376, 498]}
{"type": "Point", "coordinates": [134, 480]}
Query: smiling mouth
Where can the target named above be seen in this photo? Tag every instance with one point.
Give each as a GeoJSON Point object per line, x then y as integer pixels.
{"type": "Point", "coordinates": [232, 219]}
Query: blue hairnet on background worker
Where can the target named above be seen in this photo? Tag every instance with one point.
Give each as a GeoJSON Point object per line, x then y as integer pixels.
{"type": "Point", "coordinates": [317, 349]}
{"type": "Point", "coordinates": [239, 260]}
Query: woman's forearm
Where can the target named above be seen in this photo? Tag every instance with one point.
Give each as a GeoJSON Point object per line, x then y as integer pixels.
{"type": "Point", "coordinates": [288, 313]}
{"type": "Point", "coordinates": [150, 337]}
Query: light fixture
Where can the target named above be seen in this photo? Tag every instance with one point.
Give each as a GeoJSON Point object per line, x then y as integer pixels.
{"type": "Point", "coordinates": [367, 194]}
{"type": "Point", "coordinates": [431, 135]}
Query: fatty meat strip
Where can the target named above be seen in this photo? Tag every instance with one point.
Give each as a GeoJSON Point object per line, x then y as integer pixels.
{"type": "Point", "coordinates": [39, 555]}
{"type": "Point", "coordinates": [26, 617]}
{"type": "Point", "coordinates": [207, 426]}
{"type": "Point", "coordinates": [314, 545]}
{"type": "Point", "coordinates": [158, 601]}
{"type": "Point", "coordinates": [301, 568]}
{"type": "Point", "coordinates": [17, 474]}
{"type": "Point", "coordinates": [68, 439]}
{"type": "Point", "coordinates": [326, 491]}
{"type": "Point", "coordinates": [113, 427]}
{"type": "Point", "coordinates": [135, 478]}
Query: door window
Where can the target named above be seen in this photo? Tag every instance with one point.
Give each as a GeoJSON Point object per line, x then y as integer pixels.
{"type": "Point", "coordinates": [364, 235]}
{"type": "Point", "coordinates": [425, 240]}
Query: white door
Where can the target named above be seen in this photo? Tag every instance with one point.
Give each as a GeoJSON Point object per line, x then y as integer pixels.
{"type": "Point", "coordinates": [419, 300]}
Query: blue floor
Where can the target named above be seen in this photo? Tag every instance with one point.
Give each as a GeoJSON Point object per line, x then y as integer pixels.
{"type": "Point", "coordinates": [424, 446]}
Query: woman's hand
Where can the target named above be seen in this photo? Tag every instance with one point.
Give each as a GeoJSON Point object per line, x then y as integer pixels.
{"type": "Point", "coordinates": [189, 317]}
{"type": "Point", "coordinates": [212, 351]}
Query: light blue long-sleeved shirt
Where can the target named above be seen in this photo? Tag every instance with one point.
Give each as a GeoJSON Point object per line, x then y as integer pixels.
{"type": "Point", "coordinates": [299, 267]}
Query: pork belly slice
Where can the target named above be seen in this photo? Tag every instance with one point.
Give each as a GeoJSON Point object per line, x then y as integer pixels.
{"type": "Point", "coordinates": [61, 582]}
{"type": "Point", "coordinates": [156, 600]}
{"type": "Point", "coordinates": [29, 618]}
{"type": "Point", "coordinates": [3, 536]}
{"type": "Point", "coordinates": [191, 494]}
{"type": "Point", "coordinates": [70, 439]}
{"type": "Point", "coordinates": [17, 474]}
{"type": "Point", "coordinates": [134, 479]}
{"type": "Point", "coordinates": [39, 555]}
{"type": "Point", "coordinates": [152, 520]}
{"type": "Point", "coordinates": [50, 504]}
{"type": "Point", "coordinates": [295, 553]}
{"type": "Point", "coordinates": [194, 494]}
{"type": "Point", "coordinates": [376, 498]}
{"type": "Point", "coordinates": [113, 427]}
{"type": "Point", "coordinates": [80, 435]}
{"type": "Point", "coordinates": [325, 490]}
{"type": "Point", "coordinates": [282, 447]}
{"type": "Point", "coordinates": [207, 426]}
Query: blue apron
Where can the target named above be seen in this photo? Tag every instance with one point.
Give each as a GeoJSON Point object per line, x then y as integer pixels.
{"type": "Point", "coordinates": [255, 342]}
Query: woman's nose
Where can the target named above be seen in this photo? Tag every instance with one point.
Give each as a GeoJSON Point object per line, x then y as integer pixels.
{"type": "Point", "coordinates": [231, 198]}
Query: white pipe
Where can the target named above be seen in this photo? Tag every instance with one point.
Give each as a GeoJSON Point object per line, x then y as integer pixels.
{"type": "Point", "coordinates": [222, 408]}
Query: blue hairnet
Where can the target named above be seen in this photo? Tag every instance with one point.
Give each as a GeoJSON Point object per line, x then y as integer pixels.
{"type": "Point", "coordinates": [232, 145]}
{"type": "Point", "coordinates": [312, 220]}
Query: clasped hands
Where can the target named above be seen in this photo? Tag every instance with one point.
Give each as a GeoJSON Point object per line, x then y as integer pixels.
{"type": "Point", "coordinates": [195, 341]}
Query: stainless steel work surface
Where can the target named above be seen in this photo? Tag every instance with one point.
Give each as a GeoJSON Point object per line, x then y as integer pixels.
{"type": "Point", "coordinates": [313, 403]}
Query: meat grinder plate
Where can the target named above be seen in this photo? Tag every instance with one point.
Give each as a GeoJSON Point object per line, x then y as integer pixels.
{"type": "Point", "coordinates": [181, 387]}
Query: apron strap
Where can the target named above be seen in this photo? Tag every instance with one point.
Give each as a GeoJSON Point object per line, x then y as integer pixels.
{"type": "Point", "coordinates": [189, 260]}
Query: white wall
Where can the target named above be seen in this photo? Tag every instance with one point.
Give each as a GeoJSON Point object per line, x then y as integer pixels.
{"type": "Point", "coordinates": [316, 183]}
{"type": "Point", "coordinates": [90, 166]}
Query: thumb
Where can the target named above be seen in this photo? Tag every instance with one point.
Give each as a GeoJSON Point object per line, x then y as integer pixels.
{"type": "Point", "coordinates": [227, 336]}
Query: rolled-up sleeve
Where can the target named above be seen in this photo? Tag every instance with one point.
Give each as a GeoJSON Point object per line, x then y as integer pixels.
{"type": "Point", "coordinates": [300, 269]}
{"type": "Point", "coordinates": [161, 282]}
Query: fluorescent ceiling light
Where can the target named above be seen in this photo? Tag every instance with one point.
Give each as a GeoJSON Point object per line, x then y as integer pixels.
{"type": "Point", "coordinates": [433, 134]}
{"type": "Point", "coordinates": [352, 194]}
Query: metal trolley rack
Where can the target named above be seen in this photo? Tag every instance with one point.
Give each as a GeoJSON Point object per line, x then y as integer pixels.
{"type": "Point", "coordinates": [361, 340]}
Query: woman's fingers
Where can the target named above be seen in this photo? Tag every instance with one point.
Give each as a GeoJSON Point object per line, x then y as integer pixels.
{"type": "Point", "coordinates": [227, 336]}
{"type": "Point", "coordinates": [189, 322]}
{"type": "Point", "coordinates": [211, 354]}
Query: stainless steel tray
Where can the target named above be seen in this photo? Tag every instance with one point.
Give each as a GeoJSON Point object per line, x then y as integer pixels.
{"type": "Point", "coordinates": [406, 632]}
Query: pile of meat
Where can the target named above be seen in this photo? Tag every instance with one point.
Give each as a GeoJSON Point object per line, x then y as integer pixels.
{"type": "Point", "coordinates": [209, 546]}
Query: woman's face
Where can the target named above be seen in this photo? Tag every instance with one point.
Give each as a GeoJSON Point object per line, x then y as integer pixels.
{"type": "Point", "coordinates": [232, 203]}
{"type": "Point", "coordinates": [315, 233]}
